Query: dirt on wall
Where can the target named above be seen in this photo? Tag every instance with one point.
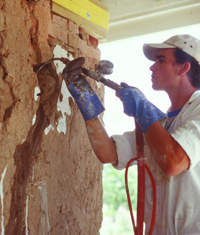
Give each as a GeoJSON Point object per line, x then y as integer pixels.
{"type": "Point", "coordinates": [50, 179]}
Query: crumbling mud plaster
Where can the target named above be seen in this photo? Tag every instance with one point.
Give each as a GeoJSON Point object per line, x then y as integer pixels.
{"type": "Point", "coordinates": [50, 179]}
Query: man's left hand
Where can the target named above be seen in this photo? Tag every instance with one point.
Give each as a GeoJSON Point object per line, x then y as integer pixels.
{"type": "Point", "coordinates": [136, 105]}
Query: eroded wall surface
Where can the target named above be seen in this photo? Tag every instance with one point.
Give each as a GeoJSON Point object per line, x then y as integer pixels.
{"type": "Point", "coordinates": [50, 180]}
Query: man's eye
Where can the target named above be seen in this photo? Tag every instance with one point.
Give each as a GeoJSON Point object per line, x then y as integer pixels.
{"type": "Point", "coordinates": [161, 61]}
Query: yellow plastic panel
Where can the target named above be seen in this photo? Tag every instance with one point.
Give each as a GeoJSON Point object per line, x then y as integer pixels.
{"type": "Point", "coordinates": [87, 10]}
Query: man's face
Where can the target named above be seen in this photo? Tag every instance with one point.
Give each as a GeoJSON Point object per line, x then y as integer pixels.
{"type": "Point", "coordinates": [165, 71]}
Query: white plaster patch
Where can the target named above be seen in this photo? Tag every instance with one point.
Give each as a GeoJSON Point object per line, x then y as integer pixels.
{"type": "Point", "coordinates": [37, 90]}
{"type": "Point", "coordinates": [62, 106]}
{"type": "Point", "coordinates": [60, 52]}
{"type": "Point", "coordinates": [2, 204]}
{"type": "Point", "coordinates": [44, 208]}
{"type": "Point", "coordinates": [47, 129]}
{"type": "Point", "coordinates": [34, 119]}
{"type": "Point", "coordinates": [26, 218]}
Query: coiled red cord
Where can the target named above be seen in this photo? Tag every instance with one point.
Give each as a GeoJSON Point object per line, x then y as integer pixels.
{"type": "Point", "coordinates": [129, 200]}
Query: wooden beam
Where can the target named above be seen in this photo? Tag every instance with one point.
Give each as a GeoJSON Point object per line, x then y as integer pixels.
{"type": "Point", "coordinates": [91, 15]}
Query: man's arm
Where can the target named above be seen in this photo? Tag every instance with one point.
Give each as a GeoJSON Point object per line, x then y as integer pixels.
{"type": "Point", "coordinates": [102, 144]}
{"type": "Point", "coordinates": [169, 155]}
{"type": "Point", "coordinates": [90, 107]}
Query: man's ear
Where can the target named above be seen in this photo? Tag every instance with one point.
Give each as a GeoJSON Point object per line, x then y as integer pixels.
{"type": "Point", "coordinates": [184, 68]}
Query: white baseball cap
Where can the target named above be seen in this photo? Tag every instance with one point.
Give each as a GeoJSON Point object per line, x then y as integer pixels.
{"type": "Point", "coordinates": [187, 43]}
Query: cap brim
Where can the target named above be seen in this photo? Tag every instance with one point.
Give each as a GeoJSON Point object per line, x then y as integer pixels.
{"type": "Point", "coordinates": [151, 50]}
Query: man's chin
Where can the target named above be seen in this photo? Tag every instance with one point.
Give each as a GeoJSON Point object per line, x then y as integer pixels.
{"type": "Point", "coordinates": [156, 88]}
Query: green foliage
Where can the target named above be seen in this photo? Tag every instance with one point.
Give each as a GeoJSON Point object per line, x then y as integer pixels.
{"type": "Point", "coordinates": [114, 192]}
{"type": "Point", "coordinates": [120, 224]}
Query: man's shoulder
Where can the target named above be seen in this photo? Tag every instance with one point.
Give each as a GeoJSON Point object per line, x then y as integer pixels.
{"type": "Point", "coordinates": [195, 96]}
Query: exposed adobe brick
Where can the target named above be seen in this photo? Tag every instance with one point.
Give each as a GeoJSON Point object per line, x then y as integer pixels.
{"type": "Point", "coordinates": [64, 37]}
{"type": "Point", "coordinates": [55, 18]}
{"type": "Point", "coordinates": [57, 32]}
{"type": "Point", "coordinates": [92, 63]}
{"type": "Point", "coordinates": [83, 35]}
{"type": "Point", "coordinates": [86, 62]}
{"type": "Point", "coordinates": [74, 28]}
{"type": "Point", "coordinates": [93, 41]}
{"type": "Point", "coordinates": [73, 41]}
{"type": "Point", "coordinates": [82, 46]}
{"type": "Point", "coordinates": [53, 30]}
{"type": "Point", "coordinates": [60, 21]}
{"type": "Point", "coordinates": [94, 53]}
{"type": "Point", "coordinates": [78, 54]}
{"type": "Point", "coordinates": [63, 22]}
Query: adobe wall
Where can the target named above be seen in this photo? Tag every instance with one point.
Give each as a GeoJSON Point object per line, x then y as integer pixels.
{"type": "Point", "coordinates": [50, 180]}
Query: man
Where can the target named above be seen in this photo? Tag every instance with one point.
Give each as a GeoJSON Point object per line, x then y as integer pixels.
{"type": "Point", "coordinates": [172, 141]}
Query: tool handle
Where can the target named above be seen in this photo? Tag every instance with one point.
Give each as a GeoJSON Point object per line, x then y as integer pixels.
{"type": "Point", "coordinates": [110, 83]}
{"type": "Point", "coordinates": [103, 80]}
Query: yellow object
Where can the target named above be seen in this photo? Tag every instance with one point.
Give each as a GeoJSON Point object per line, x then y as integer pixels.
{"type": "Point", "coordinates": [87, 10]}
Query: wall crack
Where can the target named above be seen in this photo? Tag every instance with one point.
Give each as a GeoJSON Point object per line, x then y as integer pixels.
{"type": "Point", "coordinates": [24, 159]}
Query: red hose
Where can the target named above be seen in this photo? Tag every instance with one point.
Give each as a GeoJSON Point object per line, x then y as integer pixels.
{"type": "Point", "coordinates": [129, 200]}
{"type": "Point", "coordinates": [128, 195]}
{"type": "Point", "coordinates": [141, 186]}
{"type": "Point", "coordinates": [141, 179]}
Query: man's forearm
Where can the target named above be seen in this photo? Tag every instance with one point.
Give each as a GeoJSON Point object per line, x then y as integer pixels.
{"type": "Point", "coordinates": [169, 155]}
{"type": "Point", "coordinates": [102, 144]}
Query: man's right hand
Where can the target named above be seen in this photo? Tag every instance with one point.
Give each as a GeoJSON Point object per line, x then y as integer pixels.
{"type": "Point", "coordinates": [84, 95]}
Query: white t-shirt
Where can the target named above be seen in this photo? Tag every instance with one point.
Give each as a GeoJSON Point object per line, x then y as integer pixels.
{"type": "Point", "coordinates": [178, 197]}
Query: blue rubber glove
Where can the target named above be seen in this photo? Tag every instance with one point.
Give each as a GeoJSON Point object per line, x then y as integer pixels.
{"type": "Point", "coordinates": [84, 95]}
{"type": "Point", "coordinates": [136, 105]}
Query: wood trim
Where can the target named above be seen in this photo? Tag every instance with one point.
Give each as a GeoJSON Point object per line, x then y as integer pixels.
{"type": "Point", "coordinates": [91, 28]}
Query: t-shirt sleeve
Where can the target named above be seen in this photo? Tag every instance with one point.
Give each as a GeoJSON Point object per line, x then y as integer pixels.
{"type": "Point", "coordinates": [126, 148]}
{"type": "Point", "coordinates": [188, 136]}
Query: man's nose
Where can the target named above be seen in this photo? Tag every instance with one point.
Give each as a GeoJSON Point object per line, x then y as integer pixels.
{"type": "Point", "coordinates": [152, 68]}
